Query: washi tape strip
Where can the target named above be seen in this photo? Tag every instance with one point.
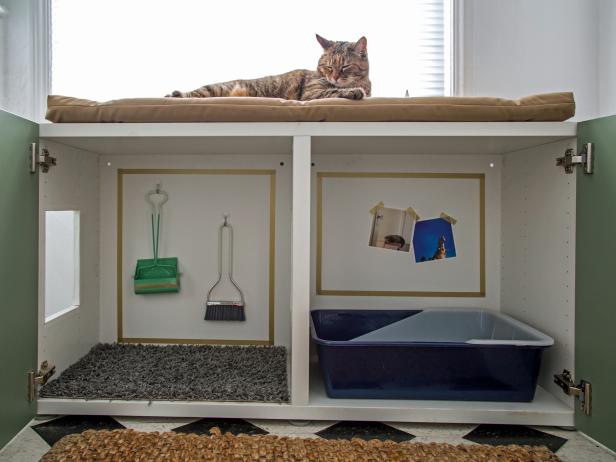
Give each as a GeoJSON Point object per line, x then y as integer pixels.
{"type": "Point", "coordinates": [447, 218]}
{"type": "Point", "coordinates": [411, 212]}
{"type": "Point", "coordinates": [380, 205]}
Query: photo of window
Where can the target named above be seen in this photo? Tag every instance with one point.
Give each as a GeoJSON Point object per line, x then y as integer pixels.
{"type": "Point", "coordinates": [391, 229]}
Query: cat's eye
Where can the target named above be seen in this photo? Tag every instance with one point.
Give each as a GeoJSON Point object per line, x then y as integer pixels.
{"type": "Point", "coordinates": [327, 68]}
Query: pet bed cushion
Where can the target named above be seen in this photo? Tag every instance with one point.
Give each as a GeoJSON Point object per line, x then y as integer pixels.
{"type": "Point", "coordinates": [545, 107]}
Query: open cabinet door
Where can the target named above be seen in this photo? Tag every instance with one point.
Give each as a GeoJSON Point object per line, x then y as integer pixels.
{"type": "Point", "coordinates": [595, 303]}
{"type": "Point", "coordinates": [18, 272]}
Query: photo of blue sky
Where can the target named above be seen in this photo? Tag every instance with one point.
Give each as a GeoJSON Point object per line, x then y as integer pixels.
{"type": "Point", "coordinates": [426, 239]}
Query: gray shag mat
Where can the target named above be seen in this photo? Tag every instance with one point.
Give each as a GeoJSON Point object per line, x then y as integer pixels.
{"type": "Point", "coordinates": [175, 372]}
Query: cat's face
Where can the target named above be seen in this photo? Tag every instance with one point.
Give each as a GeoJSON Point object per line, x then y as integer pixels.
{"type": "Point", "coordinates": [343, 63]}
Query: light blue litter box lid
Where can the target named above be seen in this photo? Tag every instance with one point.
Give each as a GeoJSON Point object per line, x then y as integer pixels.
{"type": "Point", "coordinates": [472, 326]}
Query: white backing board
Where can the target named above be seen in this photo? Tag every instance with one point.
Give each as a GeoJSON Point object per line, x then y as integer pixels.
{"type": "Point", "coordinates": [190, 225]}
{"type": "Point", "coordinates": [348, 263]}
{"type": "Point", "coordinates": [490, 166]}
{"type": "Point", "coordinates": [109, 167]}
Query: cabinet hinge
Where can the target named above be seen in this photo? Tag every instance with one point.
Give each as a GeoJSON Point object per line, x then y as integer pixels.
{"type": "Point", "coordinates": [36, 379]}
{"type": "Point", "coordinates": [585, 158]}
{"type": "Point", "coordinates": [581, 391]}
{"type": "Point", "coordinates": [44, 160]}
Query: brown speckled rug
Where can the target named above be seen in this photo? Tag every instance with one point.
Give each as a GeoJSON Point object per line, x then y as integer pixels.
{"type": "Point", "coordinates": [130, 445]}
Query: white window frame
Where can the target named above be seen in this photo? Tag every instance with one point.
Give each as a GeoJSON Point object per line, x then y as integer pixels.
{"type": "Point", "coordinates": [453, 40]}
{"type": "Point", "coordinates": [454, 47]}
{"type": "Point", "coordinates": [42, 57]}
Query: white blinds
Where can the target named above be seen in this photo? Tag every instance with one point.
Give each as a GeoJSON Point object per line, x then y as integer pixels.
{"type": "Point", "coordinates": [106, 49]}
{"type": "Point", "coordinates": [431, 49]}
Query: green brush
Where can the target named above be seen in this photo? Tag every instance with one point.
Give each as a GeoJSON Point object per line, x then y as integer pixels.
{"type": "Point", "coordinates": [156, 275]}
{"type": "Point", "coordinates": [225, 310]}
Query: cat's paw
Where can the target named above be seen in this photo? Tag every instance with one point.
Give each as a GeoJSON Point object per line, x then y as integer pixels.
{"type": "Point", "coordinates": [354, 93]}
{"type": "Point", "coordinates": [175, 94]}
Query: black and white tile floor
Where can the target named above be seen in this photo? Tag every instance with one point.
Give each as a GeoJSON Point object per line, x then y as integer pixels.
{"type": "Point", "coordinates": [35, 439]}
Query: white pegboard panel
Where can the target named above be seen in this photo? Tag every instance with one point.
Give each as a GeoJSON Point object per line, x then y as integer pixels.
{"type": "Point", "coordinates": [538, 251]}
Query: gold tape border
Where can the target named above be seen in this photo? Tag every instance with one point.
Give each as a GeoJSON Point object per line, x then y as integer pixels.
{"type": "Point", "coordinates": [120, 253]}
{"type": "Point", "coordinates": [398, 293]}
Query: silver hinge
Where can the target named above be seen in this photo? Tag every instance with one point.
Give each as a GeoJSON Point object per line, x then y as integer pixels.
{"type": "Point", "coordinates": [36, 379]}
{"type": "Point", "coordinates": [44, 160]}
{"type": "Point", "coordinates": [585, 158]}
{"type": "Point", "coordinates": [582, 391]}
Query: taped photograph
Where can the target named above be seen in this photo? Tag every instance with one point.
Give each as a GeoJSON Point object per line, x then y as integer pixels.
{"type": "Point", "coordinates": [433, 240]}
{"type": "Point", "coordinates": [391, 229]}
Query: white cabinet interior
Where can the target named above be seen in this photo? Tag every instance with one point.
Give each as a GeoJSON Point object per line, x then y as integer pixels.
{"type": "Point", "coordinates": [529, 245]}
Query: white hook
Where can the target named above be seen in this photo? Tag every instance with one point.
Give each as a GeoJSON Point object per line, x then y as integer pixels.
{"type": "Point", "coordinates": [156, 207]}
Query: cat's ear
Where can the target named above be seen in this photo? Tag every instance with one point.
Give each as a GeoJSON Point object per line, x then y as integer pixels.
{"type": "Point", "coordinates": [361, 46]}
{"type": "Point", "coordinates": [324, 42]}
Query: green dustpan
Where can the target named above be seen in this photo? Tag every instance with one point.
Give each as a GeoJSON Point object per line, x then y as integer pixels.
{"type": "Point", "coordinates": [156, 275]}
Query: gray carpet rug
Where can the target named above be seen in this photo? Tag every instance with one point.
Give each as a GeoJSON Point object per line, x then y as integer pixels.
{"type": "Point", "coordinates": [175, 372]}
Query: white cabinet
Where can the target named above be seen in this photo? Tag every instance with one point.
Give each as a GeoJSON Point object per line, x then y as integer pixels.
{"type": "Point", "coordinates": [526, 255]}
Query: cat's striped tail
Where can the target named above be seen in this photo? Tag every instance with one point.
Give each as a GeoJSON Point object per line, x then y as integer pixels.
{"type": "Point", "coordinates": [214, 90]}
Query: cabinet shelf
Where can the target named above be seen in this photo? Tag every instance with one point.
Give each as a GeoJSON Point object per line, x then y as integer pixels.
{"type": "Point", "coordinates": [544, 410]}
{"type": "Point", "coordinates": [330, 137]}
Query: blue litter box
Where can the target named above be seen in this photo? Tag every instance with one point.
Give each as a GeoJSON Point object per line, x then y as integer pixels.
{"type": "Point", "coordinates": [437, 354]}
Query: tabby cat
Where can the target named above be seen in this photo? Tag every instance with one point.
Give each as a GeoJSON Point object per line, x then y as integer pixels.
{"type": "Point", "coordinates": [342, 72]}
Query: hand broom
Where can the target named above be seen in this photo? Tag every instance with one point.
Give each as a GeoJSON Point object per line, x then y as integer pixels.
{"type": "Point", "coordinates": [225, 310]}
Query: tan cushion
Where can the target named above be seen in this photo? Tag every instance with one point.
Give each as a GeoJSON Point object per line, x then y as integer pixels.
{"type": "Point", "coordinates": [546, 107]}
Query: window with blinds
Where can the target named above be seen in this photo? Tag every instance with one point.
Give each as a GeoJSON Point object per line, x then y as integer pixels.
{"type": "Point", "coordinates": [106, 49]}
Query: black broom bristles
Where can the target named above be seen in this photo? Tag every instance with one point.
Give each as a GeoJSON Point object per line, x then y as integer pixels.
{"type": "Point", "coordinates": [225, 312]}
